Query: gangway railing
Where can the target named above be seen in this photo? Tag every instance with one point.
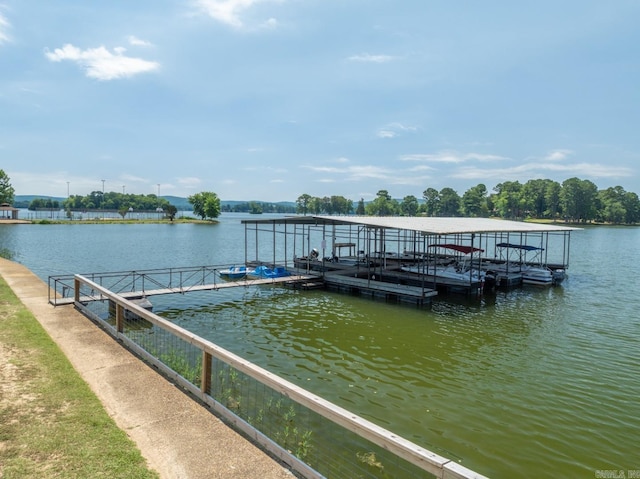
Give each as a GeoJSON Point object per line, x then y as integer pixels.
{"type": "Point", "coordinates": [179, 280]}
{"type": "Point", "coordinates": [315, 437]}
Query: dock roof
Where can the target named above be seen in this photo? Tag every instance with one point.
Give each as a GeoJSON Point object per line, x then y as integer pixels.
{"type": "Point", "coordinates": [432, 225]}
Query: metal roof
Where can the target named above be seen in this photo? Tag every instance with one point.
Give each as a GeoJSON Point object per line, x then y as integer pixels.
{"type": "Point", "coordinates": [436, 225]}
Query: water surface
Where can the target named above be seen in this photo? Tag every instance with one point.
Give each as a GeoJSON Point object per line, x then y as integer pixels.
{"type": "Point", "coordinates": [527, 383]}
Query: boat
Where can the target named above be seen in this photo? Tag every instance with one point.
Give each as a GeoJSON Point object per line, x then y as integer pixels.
{"type": "Point", "coordinates": [266, 272]}
{"type": "Point", "coordinates": [532, 272]}
{"type": "Point", "coordinates": [455, 271]}
{"type": "Point", "coordinates": [537, 275]}
{"type": "Point", "coordinates": [453, 268]}
{"type": "Point", "coordinates": [234, 272]}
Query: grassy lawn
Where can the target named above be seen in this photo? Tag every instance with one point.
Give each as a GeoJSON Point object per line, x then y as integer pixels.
{"type": "Point", "coordinates": [51, 423]}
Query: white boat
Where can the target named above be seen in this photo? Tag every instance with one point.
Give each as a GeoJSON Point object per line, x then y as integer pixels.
{"type": "Point", "coordinates": [235, 272]}
{"type": "Point", "coordinates": [537, 275]}
{"type": "Point", "coordinates": [531, 273]}
{"type": "Point", "coordinates": [455, 270]}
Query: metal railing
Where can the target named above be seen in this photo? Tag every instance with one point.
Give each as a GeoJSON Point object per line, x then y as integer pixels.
{"type": "Point", "coordinates": [313, 436]}
{"type": "Point", "coordinates": [178, 280]}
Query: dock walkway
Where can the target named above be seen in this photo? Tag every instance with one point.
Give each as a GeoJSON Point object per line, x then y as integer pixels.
{"type": "Point", "coordinates": [57, 301]}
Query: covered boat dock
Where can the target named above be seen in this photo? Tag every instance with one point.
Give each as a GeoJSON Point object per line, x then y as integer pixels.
{"type": "Point", "coordinates": [409, 258]}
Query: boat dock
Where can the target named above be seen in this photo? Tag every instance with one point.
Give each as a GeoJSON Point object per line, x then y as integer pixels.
{"type": "Point", "coordinates": [414, 258]}
{"type": "Point", "coordinates": [399, 259]}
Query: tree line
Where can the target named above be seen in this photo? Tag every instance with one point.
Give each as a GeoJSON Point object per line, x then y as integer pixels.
{"type": "Point", "coordinates": [258, 207]}
{"type": "Point", "coordinates": [112, 201]}
{"type": "Point", "coordinates": [573, 200]}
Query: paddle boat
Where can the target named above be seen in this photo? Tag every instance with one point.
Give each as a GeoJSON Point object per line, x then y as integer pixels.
{"type": "Point", "coordinates": [266, 272]}
{"type": "Point", "coordinates": [235, 272]}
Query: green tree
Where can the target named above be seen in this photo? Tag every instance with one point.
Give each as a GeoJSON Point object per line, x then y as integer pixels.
{"type": "Point", "coordinates": [431, 201]}
{"type": "Point", "coordinates": [123, 210]}
{"type": "Point", "coordinates": [341, 205]}
{"type": "Point", "coordinates": [382, 205]}
{"type": "Point", "coordinates": [409, 206]}
{"type": "Point", "coordinates": [360, 210]}
{"type": "Point", "coordinates": [255, 208]}
{"type": "Point", "coordinates": [7, 193]}
{"type": "Point", "coordinates": [552, 198]}
{"type": "Point", "coordinates": [206, 204]}
{"type": "Point", "coordinates": [171, 211]}
{"type": "Point", "coordinates": [474, 201]}
{"type": "Point", "coordinates": [507, 199]}
{"type": "Point", "coordinates": [578, 199]}
{"type": "Point", "coordinates": [315, 205]}
{"type": "Point", "coordinates": [534, 198]}
{"type": "Point", "coordinates": [450, 202]}
{"type": "Point", "coordinates": [632, 208]}
{"type": "Point", "coordinates": [302, 204]}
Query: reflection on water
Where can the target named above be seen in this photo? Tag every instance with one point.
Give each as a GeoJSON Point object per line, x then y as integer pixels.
{"type": "Point", "coordinates": [530, 382]}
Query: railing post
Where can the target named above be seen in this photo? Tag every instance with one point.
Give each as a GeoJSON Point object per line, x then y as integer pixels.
{"type": "Point", "coordinates": [205, 381]}
{"type": "Point", "coordinates": [119, 318]}
{"type": "Point", "coordinates": [76, 293]}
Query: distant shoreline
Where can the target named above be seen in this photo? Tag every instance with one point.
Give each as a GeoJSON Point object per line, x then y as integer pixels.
{"type": "Point", "coordinates": [106, 221]}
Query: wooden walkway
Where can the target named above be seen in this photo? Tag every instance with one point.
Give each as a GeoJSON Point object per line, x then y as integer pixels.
{"type": "Point", "coordinates": [187, 289]}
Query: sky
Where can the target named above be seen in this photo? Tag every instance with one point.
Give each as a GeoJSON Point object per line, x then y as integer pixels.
{"type": "Point", "coordinates": [270, 99]}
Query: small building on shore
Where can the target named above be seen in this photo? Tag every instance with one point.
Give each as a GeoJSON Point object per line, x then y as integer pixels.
{"type": "Point", "coordinates": [8, 212]}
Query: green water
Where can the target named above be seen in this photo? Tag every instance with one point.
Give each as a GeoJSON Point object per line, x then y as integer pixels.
{"type": "Point", "coordinates": [527, 383]}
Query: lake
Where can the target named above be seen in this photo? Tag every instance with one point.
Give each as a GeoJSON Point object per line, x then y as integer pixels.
{"type": "Point", "coordinates": [528, 382]}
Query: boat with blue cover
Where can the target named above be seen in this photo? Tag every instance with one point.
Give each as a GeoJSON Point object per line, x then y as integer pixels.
{"type": "Point", "coordinates": [266, 272]}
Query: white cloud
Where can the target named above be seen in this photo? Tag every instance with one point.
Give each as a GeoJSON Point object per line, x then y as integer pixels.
{"type": "Point", "coordinates": [133, 179]}
{"type": "Point", "coordinates": [452, 157]}
{"type": "Point", "coordinates": [368, 58]}
{"type": "Point", "coordinates": [101, 64]}
{"type": "Point", "coordinates": [230, 11]}
{"type": "Point", "coordinates": [4, 27]}
{"type": "Point", "coordinates": [271, 24]}
{"type": "Point", "coordinates": [386, 134]}
{"type": "Point", "coordinates": [558, 155]}
{"type": "Point", "coordinates": [394, 129]}
{"type": "Point", "coordinates": [135, 41]}
{"type": "Point", "coordinates": [526, 171]}
{"type": "Point", "coordinates": [367, 172]}
{"type": "Point", "coordinates": [189, 182]}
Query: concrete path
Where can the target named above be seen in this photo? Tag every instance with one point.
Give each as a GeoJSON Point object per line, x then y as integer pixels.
{"type": "Point", "coordinates": [178, 436]}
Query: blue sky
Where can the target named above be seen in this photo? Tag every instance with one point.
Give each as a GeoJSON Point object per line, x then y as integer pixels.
{"type": "Point", "coordinates": [270, 99]}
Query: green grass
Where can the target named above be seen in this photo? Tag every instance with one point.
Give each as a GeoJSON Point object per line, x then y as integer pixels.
{"type": "Point", "coordinates": [51, 423]}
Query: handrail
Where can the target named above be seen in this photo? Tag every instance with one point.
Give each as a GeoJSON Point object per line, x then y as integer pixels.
{"type": "Point", "coordinates": [403, 448]}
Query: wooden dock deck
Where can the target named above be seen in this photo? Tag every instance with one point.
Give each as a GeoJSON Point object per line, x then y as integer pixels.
{"type": "Point", "coordinates": [199, 287]}
{"type": "Point", "coordinates": [370, 286]}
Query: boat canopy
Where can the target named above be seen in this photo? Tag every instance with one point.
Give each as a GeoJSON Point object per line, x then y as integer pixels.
{"type": "Point", "coordinates": [457, 247]}
{"type": "Point", "coordinates": [525, 247]}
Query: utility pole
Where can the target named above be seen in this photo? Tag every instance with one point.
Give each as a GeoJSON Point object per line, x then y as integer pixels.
{"type": "Point", "coordinates": [102, 205]}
